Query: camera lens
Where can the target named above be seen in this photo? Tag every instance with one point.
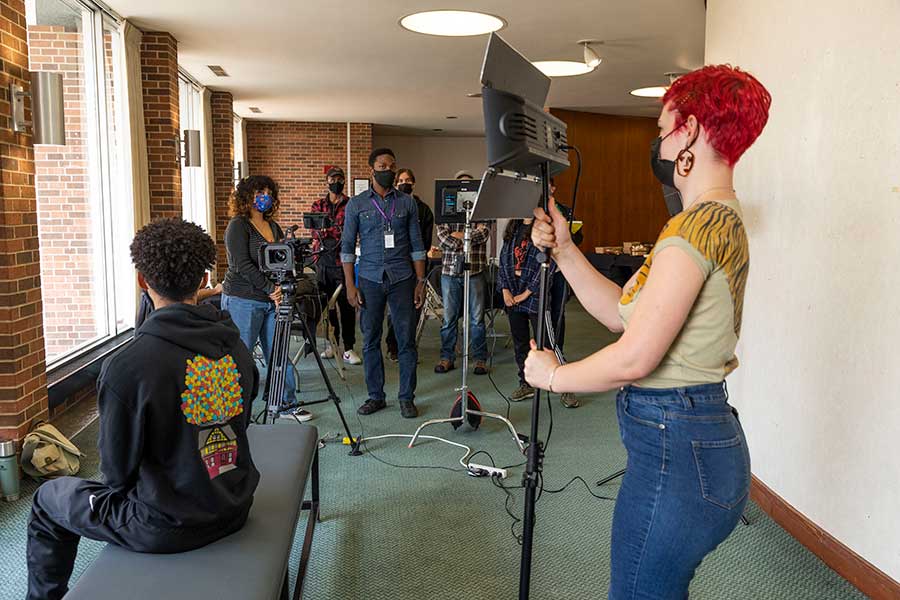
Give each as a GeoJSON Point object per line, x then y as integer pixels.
{"type": "Point", "coordinates": [279, 256]}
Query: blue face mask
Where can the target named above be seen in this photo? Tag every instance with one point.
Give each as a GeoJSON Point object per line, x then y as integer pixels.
{"type": "Point", "coordinates": [263, 202]}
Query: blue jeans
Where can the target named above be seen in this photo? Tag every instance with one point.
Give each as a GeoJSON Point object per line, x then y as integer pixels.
{"type": "Point", "coordinates": [399, 297]}
{"type": "Point", "coordinates": [452, 292]}
{"type": "Point", "coordinates": [685, 486]}
{"type": "Point", "coordinates": [256, 321]}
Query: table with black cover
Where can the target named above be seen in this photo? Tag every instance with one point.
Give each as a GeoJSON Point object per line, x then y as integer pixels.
{"type": "Point", "coordinates": [616, 267]}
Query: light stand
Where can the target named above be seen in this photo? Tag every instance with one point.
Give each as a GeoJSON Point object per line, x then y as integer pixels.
{"type": "Point", "coordinates": [463, 390]}
{"type": "Point", "coordinates": [535, 453]}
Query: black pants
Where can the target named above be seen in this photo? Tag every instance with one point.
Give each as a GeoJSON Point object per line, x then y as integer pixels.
{"type": "Point", "coordinates": [343, 318]}
{"type": "Point", "coordinates": [519, 329]}
{"type": "Point", "coordinates": [69, 508]}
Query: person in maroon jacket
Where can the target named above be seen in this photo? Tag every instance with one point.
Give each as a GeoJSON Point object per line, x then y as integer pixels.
{"type": "Point", "coordinates": [328, 263]}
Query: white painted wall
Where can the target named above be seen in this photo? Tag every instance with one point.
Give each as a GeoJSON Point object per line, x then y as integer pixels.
{"type": "Point", "coordinates": [819, 386]}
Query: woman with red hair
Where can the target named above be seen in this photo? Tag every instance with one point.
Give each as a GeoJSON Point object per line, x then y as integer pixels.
{"type": "Point", "coordinates": [688, 472]}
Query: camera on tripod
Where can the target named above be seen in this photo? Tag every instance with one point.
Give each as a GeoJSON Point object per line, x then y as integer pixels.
{"type": "Point", "coordinates": [290, 254]}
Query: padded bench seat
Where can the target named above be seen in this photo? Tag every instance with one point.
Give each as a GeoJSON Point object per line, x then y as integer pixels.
{"type": "Point", "coordinates": [250, 564]}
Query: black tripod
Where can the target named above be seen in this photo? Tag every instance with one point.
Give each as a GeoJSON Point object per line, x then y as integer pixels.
{"type": "Point", "coordinates": [285, 316]}
{"type": "Point", "coordinates": [535, 450]}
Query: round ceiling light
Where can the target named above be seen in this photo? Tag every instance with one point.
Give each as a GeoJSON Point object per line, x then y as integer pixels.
{"type": "Point", "coordinates": [455, 23]}
{"type": "Point", "coordinates": [562, 68]}
{"type": "Point", "coordinates": [650, 92]}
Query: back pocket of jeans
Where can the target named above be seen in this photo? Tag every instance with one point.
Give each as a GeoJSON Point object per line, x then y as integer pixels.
{"type": "Point", "coordinates": [723, 470]}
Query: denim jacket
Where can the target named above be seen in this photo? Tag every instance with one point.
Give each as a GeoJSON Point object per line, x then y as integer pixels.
{"type": "Point", "coordinates": [364, 220]}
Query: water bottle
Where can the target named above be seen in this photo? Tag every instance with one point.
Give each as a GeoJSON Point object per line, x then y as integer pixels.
{"type": "Point", "coordinates": [9, 471]}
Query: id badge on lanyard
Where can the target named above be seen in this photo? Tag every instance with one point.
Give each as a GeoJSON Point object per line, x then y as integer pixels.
{"type": "Point", "coordinates": [388, 232]}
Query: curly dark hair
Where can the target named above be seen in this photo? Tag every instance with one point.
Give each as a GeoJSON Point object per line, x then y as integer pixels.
{"type": "Point", "coordinates": [172, 255]}
{"type": "Point", "coordinates": [241, 201]}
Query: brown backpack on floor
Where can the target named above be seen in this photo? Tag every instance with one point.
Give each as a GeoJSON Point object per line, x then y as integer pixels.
{"type": "Point", "coordinates": [47, 453]}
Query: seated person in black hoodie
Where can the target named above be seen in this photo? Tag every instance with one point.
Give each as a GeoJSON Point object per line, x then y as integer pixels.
{"type": "Point", "coordinates": [174, 410]}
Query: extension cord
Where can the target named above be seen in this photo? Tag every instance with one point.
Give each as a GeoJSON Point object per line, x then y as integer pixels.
{"type": "Point", "coordinates": [479, 470]}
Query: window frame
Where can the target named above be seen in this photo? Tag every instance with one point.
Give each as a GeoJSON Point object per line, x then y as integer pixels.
{"type": "Point", "coordinates": [97, 119]}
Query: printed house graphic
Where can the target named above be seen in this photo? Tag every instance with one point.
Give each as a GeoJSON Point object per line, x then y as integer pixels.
{"type": "Point", "coordinates": [218, 450]}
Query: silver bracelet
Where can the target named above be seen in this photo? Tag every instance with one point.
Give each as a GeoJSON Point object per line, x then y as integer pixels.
{"type": "Point", "coordinates": [552, 375]}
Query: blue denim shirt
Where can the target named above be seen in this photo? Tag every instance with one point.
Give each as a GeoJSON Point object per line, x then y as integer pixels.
{"type": "Point", "coordinates": [363, 219]}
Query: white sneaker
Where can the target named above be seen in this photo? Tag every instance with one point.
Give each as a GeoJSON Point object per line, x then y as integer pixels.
{"type": "Point", "coordinates": [296, 413]}
{"type": "Point", "coordinates": [351, 357]}
{"type": "Point", "coordinates": [328, 352]}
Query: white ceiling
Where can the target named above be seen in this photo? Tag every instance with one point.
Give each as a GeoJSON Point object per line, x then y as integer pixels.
{"type": "Point", "coordinates": [349, 60]}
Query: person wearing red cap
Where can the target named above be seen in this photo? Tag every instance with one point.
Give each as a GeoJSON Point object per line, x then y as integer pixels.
{"type": "Point", "coordinates": [329, 271]}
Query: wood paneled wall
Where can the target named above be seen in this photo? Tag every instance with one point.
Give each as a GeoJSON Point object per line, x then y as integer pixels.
{"type": "Point", "coordinates": [619, 199]}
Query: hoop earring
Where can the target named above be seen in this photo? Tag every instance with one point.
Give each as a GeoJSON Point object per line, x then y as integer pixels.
{"type": "Point", "coordinates": [684, 162]}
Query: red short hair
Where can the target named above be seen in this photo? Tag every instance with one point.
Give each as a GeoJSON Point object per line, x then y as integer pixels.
{"type": "Point", "coordinates": [730, 104]}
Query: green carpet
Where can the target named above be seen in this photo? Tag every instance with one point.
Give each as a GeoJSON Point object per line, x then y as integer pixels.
{"type": "Point", "coordinates": [398, 533]}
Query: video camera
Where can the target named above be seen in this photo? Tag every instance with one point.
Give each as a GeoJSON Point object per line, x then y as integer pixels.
{"type": "Point", "coordinates": [288, 256]}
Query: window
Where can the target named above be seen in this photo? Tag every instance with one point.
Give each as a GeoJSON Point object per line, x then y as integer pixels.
{"type": "Point", "coordinates": [195, 204]}
{"type": "Point", "coordinates": [86, 275]}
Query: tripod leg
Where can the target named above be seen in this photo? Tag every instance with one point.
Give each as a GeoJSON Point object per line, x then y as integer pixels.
{"type": "Point", "coordinates": [354, 443]}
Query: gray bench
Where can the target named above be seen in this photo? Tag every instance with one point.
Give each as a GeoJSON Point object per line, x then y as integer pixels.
{"type": "Point", "coordinates": [250, 564]}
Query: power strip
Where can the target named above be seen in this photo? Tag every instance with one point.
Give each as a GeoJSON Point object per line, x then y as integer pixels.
{"type": "Point", "coordinates": [485, 471]}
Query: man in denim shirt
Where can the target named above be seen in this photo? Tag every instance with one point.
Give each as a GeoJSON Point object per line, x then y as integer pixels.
{"type": "Point", "coordinates": [391, 273]}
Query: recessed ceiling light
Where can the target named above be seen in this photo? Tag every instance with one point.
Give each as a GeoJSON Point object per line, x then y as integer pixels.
{"type": "Point", "coordinates": [562, 68]}
{"type": "Point", "coordinates": [454, 23]}
{"type": "Point", "coordinates": [474, 95]}
{"type": "Point", "coordinates": [255, 109]}
{"type": "Point", "coordinates": [437, 129]}
{"type": "Point", "coordinates": [649, 92]}
{"type": "Point", "coordinates": [452, 117]}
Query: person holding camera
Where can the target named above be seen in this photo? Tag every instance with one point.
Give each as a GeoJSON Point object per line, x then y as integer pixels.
{"type": "Point", "coordinates": [249, 295]}
{"type": "Point", "coordinates": [174, 407]}
{"type": "Point", "coordinates": [329, 270]}
{"type": "Point", "coordinates": [688, 472]}
{"type": "Point", "coordinates": [391, 273]}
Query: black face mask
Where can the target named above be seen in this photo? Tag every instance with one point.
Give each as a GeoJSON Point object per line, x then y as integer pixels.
{"type": "Point", "coordinates": [385, 179]}
{"type": "Point", "coordinates": [336, 188]}
{"type": "Point", "coordinates": [663, 169]}
{"type": "Point", "coordinates": [406, 188]}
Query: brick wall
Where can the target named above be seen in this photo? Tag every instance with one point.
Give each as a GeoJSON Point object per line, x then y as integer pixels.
{"type": "Point", "coordinates": [294, 154]}
{"type": "Point", "coordinates": [222, 110]}
{"type": "Point", "coordinates": [159, 73]}
{"type": "Point", "coordinates": [23, 392]}
{"type": "Point", "coordinates": [66, 216]}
